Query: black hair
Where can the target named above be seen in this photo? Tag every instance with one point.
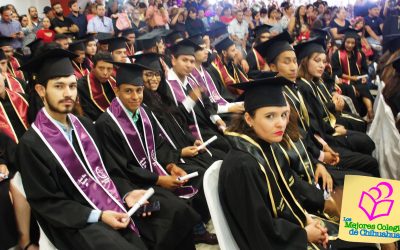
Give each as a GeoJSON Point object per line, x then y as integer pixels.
{"type": "Point", "coordinates": [72, 2]}
{"type": "Point", "coordinates": [102, 56]}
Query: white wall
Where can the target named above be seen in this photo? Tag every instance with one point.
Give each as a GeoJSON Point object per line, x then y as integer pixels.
{"type": "Point", "coordinates": [23, 5]}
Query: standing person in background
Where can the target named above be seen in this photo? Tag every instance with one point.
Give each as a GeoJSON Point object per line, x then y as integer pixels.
{"type": "Point", "coordinates": [374, 27]}
{"type": "Point", "coordinates": [45, 33]}
{"type": "Point", "coordinates": [193, 24]}
{"type": "Point", "coordinates": [297, 21]}
{"type": "Point", "coordinates": [78, 18]}
{"type": "Point", "coordinates": [156, 15]}
{"type": "Point", "coordinates": [239, 31]}
{"type": "Point", "coordinates": [11, 28]}
{"type": "Point", "coordinates": [34, 19]}
{"type": "Point", "coordinates": [100, 23]}
{"type": "Point", "coordinates": [61, 24]}
{"type": "Point", "coordinates": [27, 29]}
{"type": "Point", "coordinates": [48, 12]}
{"type": "Point", "coordinates": [287, 10]}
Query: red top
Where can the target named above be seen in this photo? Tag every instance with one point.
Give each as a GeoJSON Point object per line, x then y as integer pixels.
{"type": "Point", "coordinates": [44, 35]}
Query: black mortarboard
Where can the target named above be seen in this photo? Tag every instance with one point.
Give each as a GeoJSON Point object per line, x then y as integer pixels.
{"type": "Point", "coordinates": [5, 41]}
{"type": "Point", "coordinates": [306, 48]}
{"type": "Point", "coordinates": [149, 40]}
{"type": "Point", "coordinates": [391, 42]}
{"type": "Point", "coordinates": [129, 73]}
{"type": "Point", "coordinates": [349, 33]}
{"type": "Point", "coordinates": [78, 45]}
{"type": "Point", "coordinates": [264, 28]}
{"type": "Point", "coordinates": [222, 43]}
{"type": "Point", "coordinates": [103, 37]}
{"type": "Point", "coordinates": [217, 29]}
{"type": "Point", "coordinates": [197, 39]}
{"type": "Point", "coordinates": [2, 55]}
{"type": "Point", "coordinates": [151, 60]}
{"type": "Point", "coordinates": [115, 43]}
{"type": "Point", "coordinates": [127, 32]}
{"type": "Point", "coordinates": [275, 46]}
{"type": "Point", "coordinates": [50, 64]}
{"type": "Point", "coordinates": [173, 37]}
{"type": "Point", "coordinates": [89, 38]}
{"type": "Point", "coordinates": [325, 33]}
{"type": "Point", "coordinates": [184, 47]}
{"type": "Point", "coordinates": [265, 92]}
{"type": "Point", "coordinates": [35, 45]}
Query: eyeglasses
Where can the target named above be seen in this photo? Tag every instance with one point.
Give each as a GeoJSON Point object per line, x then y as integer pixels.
{"type": "Point", "coordinates": [152, 74]}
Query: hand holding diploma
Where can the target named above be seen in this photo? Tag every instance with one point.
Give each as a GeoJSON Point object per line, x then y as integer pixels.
{"type": "Point", "coordinates": [188, 176]}
{"type": "Point", "coordinates": [141, 201]}
{"type": "Point", "coordinates": [205, 144]}
{"type": "Point", "coordinates": [114, 219]}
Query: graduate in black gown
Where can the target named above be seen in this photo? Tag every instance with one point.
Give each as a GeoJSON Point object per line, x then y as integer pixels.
{"type": "Point", "coordinates": [172, 125]}
{"type": "Point", "coordinates": [346, 152]}
{"type": "Point", "coordinates": [11, 82]}
{"type": "Point", "coordinates": [204, 122]}
{"type": "Point", "coordinates": [96, 89]}
{"type": "Point", "coordinates": [257, 63]}
{"type": "Point", "coordinates": [74, 199]}
{"type": "Point", "coordinates": [259, 206]}
{"type": "Point", "coordinates": [145, 158]}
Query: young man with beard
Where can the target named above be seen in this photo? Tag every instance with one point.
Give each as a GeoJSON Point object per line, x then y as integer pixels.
{"type": "Point", "coordinates": [78, 18]}
{"type": "Point", "coordinates": [96, 90]}
{"type": "Point", "coordinates": [77, 203]}
{"type": "Point", "coordinates": [61, 24]}
{"type": "Point", "coordinates": [223, 70]}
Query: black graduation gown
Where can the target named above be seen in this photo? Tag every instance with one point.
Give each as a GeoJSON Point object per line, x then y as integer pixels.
{"type": "Point", "coordinates": [62, 211]}
{"type": "Point", "coordinates": [347, 119]}
{"type": "Point", "coordinates": [219, 83]}
{"type": "Point", "coordinates": [8, 227]}
{"type": "Point", "coordinates": [254, 71]}
{"type": "Point", "coordinates": [12, 115]}
{"type": "Point", "coordinates": [207, 129]}
{"type": "Point", "coordinates": [89, 107]}
{"type": "Point", "coordinates": [246, 201]}
{"type": "Point", "coordinates": [345, 145]}
{"type": "Point", "coordinates": [361, 88]}
{"type": "Point", "coordinates": [124, 161]}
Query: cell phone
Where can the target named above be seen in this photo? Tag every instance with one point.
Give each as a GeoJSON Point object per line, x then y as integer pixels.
{"type": "Point", "coordinates": [151, 207]}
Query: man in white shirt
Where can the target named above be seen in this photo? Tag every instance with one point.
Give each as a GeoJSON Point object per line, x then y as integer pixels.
{"type": "Point", "coordinates": [100, 23]}
{"type": "Point", "coordinates": [238, 30]}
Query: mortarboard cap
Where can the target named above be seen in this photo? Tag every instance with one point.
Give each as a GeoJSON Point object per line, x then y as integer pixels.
{"type": "Point", "coordinates": [349, 33]}
{"type": "Point", "coordinates": [103, 37]}
{"type": "Point", "coordinates": [275, 46]}
{"type": "Point", "coordinates": [5, 41]}
{"type": "Point", "coordinates": [264, 28]}
{"type": "Point", "coordinates": [115, 43]}
{"type": "Point", "coordinates": [217, 29]}
{"type": "Point", "coordinates": [265, 92]}
{"type": "Point", "coordinates": [391, 42]}
{"type": "Point", "coordinates": [184, 47]}
{"type": "Point", "coordinates": [129, 73]}
{"type": "Point", "coordinates": [151, 60]}
{"type": "Point", "coordinates": [222, 43]}
{"type": "Point", "coordinates": [50, 64]}
{"type": "Point", "coordinates": [306, 48]}
{"type": "Point", "coordinates": [149, 40]}
{"type": "Point", "coordinates": [35, 45]}
{"type": "Point", "coordinates": [89, 38]}
{"type": "Point", "coordinates": [325, 33]}
{"type": "Point", "coordinates": [127, 32]}
{"type": "Point", "coordinates": [173, 37]}
{"type": "Point", "coordinates": [78, 45]}
{"type": "Point", "coordinates": [197, 39]}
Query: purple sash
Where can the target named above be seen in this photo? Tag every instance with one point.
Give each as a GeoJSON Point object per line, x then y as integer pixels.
{"type": "Point", "coordinates": [144, 153]}
{"type": "Point", "coordinates": [179, 95]}
{"type": "Point", "coordinates": [95, 185]}
{"type": "Point", "coordinates": [208, 84]}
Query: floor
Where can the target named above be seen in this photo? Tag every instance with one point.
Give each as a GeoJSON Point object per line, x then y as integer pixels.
{"type": "Point", "coordinates": [210, 228]}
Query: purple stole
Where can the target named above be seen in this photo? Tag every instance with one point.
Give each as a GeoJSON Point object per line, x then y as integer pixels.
{"type": "Point", "coordinates": [179, 95]}
{"type": "Point", "coordinates": [93, 183]}
{"type": "Point", "coordinates": [208, 84]}
{"type": "Point", "coordinates": [144, 152]}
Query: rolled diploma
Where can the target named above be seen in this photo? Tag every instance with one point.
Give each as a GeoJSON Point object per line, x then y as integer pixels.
{"type": "Point", "coordinates": [204, 145]}
{"type": "Point", "coordinates": [188, 176]}
{"type": "Point", "coordinates": [3, 176]}
{"type": "Point", "coordinates": [140, 202]}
